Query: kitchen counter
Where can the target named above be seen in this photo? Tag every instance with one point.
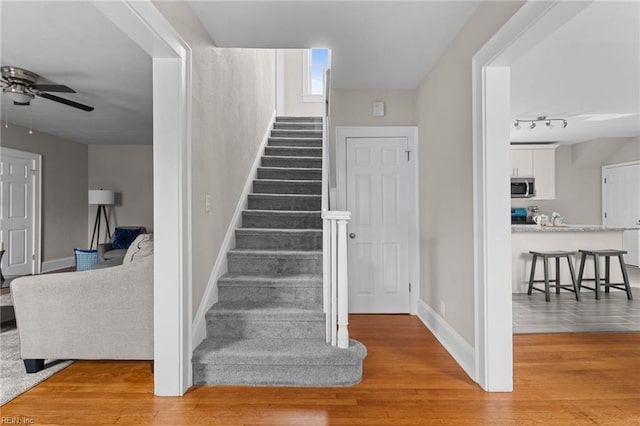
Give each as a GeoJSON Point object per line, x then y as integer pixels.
{"type": "Point", "coordinates": [570, 228]}
{"type": "Point", "coordinates": [525, 238]}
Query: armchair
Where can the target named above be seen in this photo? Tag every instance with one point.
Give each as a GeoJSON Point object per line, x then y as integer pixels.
{"type": "Point", "coordinates": [112, 253]}
{"type": "Point", "coordinates": [101, 314]}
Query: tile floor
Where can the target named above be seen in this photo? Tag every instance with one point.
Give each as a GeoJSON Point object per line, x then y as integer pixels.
{"type": "Point", "coordinates": [612, 313]}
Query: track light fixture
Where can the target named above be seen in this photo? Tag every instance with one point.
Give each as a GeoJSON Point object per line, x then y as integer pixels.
{"type": "Point", "coordinates": [543, 119]}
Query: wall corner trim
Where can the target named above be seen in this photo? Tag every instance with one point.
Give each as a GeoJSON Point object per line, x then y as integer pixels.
{"type": "Point", "coordinates": [461, 351]}
{"type": "Point", "coordinates": [220, 266]}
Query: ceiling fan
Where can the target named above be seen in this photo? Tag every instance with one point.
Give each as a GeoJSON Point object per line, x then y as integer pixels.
{"type": "Point", "coordinates": [20, 85]}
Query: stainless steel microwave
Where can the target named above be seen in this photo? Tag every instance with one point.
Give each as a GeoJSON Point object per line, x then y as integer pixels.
{"type": "Point", "coordinates": [523, 187]}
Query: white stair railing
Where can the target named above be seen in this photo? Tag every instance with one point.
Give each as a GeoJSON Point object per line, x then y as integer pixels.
{"type": "Point", "coordinates": [334, 247]}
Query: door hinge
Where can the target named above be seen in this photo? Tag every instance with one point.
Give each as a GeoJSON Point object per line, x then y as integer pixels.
{"type": "Point", "coordinates": [605, 180]}
{"type": "Point", "coordinates": [408, 155]}
{"type": "Point", "coordinates": [605, 215]}
{"type": "Point", "coordinates": [33, 257]}
{"type": "Point", "coordinates": [409, 287]}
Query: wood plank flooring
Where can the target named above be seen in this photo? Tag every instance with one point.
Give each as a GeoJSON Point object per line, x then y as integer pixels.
{"type": "Point", "coordinates": [409, 378]}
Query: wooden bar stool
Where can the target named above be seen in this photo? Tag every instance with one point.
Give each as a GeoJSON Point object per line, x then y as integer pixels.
{"type": "Point", "coordinates": [546, 255]}
{"type": "Point", "coordinates": [606, 281]}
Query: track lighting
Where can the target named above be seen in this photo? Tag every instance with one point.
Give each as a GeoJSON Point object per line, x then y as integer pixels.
{"type": "Point", "coordinates": [542, 119]}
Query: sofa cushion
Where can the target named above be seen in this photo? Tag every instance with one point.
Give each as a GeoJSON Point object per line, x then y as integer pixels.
{"type": "Point", "coordinates": [124, 236]}
{"type": "Point", "coordinates": [141, 247]}
{"type": "Point", "coordinates": [115, 254]}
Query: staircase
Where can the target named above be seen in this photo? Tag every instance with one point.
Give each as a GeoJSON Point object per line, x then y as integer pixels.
{"type": "Point", "coordinates": [268, 327]}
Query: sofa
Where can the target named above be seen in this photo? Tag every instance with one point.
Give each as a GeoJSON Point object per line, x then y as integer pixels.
{"type": "Point", "coordinates": [97, 314]}
{"type": "Point", "coordinates": [111, 253]}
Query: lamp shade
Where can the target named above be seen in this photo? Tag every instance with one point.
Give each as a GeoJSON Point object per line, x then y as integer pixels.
{"type": "Point", "coordinates": [101, 196]}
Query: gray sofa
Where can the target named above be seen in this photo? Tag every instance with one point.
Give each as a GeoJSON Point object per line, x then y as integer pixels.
{"type": "Point", "coordinates": [107, 255]}
{"type": "Point", "coordinates": [97, 314]}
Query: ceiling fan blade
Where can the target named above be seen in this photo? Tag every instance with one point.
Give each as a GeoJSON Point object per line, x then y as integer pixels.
{"type": "Point", "coordinates": [66, 102]}
{"type": "Point", "coordinates": [21, 103]}
{"type": "Point", "coordinates": [53, 88]}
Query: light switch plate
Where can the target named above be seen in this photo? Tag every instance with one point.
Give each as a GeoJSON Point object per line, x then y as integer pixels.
{"type": "Point", "coordinates": [378, 109]}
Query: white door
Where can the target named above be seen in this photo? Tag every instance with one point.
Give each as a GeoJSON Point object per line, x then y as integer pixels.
{"type": "Point", "coordinates": [19, 199]}
{"type": "Point", "coordinates": [621, 205]}
{"type": "Point", "coordinates": [378, 244]}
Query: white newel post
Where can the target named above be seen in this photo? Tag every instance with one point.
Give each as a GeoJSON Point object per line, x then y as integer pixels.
{"type": "Point", "coordinates": [339, 286]}
{"type": "Point", "coordinates": [343, 286]}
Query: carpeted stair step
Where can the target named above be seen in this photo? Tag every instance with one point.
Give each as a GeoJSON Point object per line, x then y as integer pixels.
{"type": "Point", "coordinates": [271, 319]}
{"type": "Point", "coordinates": [290, 119]}
{"type": "Point", "coordinates": [281, 219]}
{"type": "Point", "coordinates": [284, 202]}
{"type": "Point", "coordinates": [277, 186]}
{"type": "Point", "coordinates": [292, 151]}
{"type": "Point", "coordinates": [277, 362]}
{"type": "Point", "coordinates": [285, 239]}
{"type": "Point", "coordinates": [289, 173]}
{"type": "Point", "coordinates": [275, 261]}
{"type": "Point", "coordinates": [297, 288]}
{"type": "Point", "coordinates": [298, 125]}
{"type": "Point", "coordinates": [300, 142]}
{"type": "Point", "coordinates": [295, 162]}
{"type": "Point", "coordinates": [296, 133]}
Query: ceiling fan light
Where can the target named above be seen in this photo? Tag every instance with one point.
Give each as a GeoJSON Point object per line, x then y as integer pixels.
{"type": "Point", "coordinates": [564, 123]}
{"type": "Point", "coordinates": [548, 123]}
{"type": "Point", "coordinates": [533, 125]}
{"type": "Point", "coordinates": [517, 124]}
{"type": "Point", "coordinates": [17, 93]}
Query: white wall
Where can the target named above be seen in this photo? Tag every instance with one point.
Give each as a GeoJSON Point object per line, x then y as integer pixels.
{"type": "Point", "coordinates": [579, 178]}
{"type": "Point", "coordinates": [233, 102]}
{"type": "Point", "coordinates": [128, 171]}
{"type": "Point", "coordinates": [64, 188]}
{"type": "Point", "coordinates": [293, 102]}
{"type": "Point", "coordinates": [445, 163]}
{"type": "Point", "coordinates": [354, 107]}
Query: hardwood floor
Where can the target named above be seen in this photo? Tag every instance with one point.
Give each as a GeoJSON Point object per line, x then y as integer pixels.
{"type": "Point", "coordinates": [409, 378]}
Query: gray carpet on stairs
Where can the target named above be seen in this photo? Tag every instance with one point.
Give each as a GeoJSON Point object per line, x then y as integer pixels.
{"type": "Point", "coordinates": [268, 328]}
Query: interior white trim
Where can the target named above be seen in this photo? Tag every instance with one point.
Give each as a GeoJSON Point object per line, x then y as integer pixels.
{"type": "Point", "coordinates": [171, 56]}
{"type": "Point", "coordinates": [411, 133]}
{"type": "Point", "coordinates": [280, 82]}
{"type": "Point", "coordinates": [55, 264]}
{"type": "Point", "coordinates": [492, 243]}
{"type": "Point", "coordinates": [460, 350]}
{"type": "Point", "coordinates": [36, 230]}
{"type": "Point", "coordinates": [220, 266]}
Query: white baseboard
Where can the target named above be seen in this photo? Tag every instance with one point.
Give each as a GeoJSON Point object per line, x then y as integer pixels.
{"type": "Point", "coordinates": [55, 264]}
{"type": "Point", "coordinates": [460, 350]}
{"type": "Point", "coordinates": [220, 266]}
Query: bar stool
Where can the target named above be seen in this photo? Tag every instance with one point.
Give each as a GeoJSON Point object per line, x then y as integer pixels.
{"type": "Point", "coordinates": [546, 255]}
{"type": "Point", "coordinates": [607, 284]}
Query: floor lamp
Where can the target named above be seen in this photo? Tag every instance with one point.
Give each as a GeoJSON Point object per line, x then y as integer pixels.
{"type": "Point", "coordinates": [101, 198]}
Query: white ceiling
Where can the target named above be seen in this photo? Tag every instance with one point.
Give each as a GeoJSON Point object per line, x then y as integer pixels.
{"type": "Point", "coordinates": [73, 44]}
{"type": "Point", "coordinates": [390, 44]}
{"type": "Point", "coordinates": [589, 66]}
{"type": "Point", "coordinates": [585, 71]}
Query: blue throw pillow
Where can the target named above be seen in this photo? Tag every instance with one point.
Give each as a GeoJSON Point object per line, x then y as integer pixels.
{"type": "Point", "coordinates": [122, 237]}
{"type": "Point", "coordinates": [85, 258]}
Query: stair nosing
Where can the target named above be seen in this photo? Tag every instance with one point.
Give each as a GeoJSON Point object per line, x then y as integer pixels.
{"type": "Point", "coordinates": [298, 212]}
{"type": "Point", "coordinates": [284, 195]}
{"type": "Point", "coordinates": [305, 181]}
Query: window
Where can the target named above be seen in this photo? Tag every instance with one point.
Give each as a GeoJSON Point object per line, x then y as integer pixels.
{"type": "Point", "coordinates": [314, 62]}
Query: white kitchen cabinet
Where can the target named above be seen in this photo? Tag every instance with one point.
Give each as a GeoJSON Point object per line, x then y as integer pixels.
{"type": "Point", "coordinates": [521, 163]}
{"type": "Point", "coordinates": [538, 161]}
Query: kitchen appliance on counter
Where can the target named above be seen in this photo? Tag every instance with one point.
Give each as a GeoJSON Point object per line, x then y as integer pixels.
{"type": "Point", "coordinates": [523, 187]}
{"type": "Point", "coordinates": [521, 216]}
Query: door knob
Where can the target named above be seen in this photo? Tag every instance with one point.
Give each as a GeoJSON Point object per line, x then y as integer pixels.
{"type": "Point", "coordinates": [352, 235]}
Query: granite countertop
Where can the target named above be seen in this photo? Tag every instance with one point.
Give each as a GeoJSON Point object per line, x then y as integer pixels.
{"type": "Point", "coordinates": [571, 228]}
